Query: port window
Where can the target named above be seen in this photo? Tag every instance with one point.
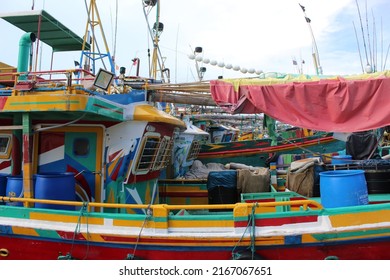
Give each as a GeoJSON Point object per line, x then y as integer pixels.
{"type": "Point", "coordinates": [5, 141]}
{"type": "Point", "coordinates": [148, 154]}
{"type": "Point", "coordinates": [164, 152]}
{"type": "Point", "coordinates": [194, 151]}
{"type": "Point", "coordinates": [81, 147]}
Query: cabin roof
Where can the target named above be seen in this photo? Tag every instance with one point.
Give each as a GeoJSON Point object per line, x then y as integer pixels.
{"type": "Point", "coordinates": [51, 31]}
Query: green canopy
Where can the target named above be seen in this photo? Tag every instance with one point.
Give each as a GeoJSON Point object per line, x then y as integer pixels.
{"type": "Point", "coordinates": [48, 30]}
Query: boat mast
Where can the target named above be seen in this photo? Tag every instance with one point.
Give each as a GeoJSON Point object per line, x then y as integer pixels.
{"type": "Point", "coordinates": [316, 56]}
{"type": "Point", "coordinates": [95, 52]}
{"type": "Point", "coordinates": [157, 29]}
{"type": "Point", "coordinates": [157, 62]}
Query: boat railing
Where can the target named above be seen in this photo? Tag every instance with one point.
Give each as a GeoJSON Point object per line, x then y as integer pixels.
{"type": "Point", "coordinates": [45, 78]}
{"type": "Point", "coordinates": [9, 77]}
{"type": "Point", "coordinates": [241, 208]}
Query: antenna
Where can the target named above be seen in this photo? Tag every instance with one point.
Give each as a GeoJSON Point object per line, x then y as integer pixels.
{"type": "Point", "coordinates": [316, 56]}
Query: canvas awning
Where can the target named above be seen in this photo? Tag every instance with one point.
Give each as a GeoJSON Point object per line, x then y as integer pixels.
{"type": "Point", "coordinates": [47, 29]}
{"type": "Point", "coordinates": [338, 104]}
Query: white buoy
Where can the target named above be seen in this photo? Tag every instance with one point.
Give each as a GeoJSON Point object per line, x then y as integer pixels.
{"type": "Point", "coordinates": [368, 69]}
{"type": "Point", "coordinates": [221, 64]}
{"type": "Point", "coordinates": [258, 72]}
{"type": "Point", "coordinates": [213, 62]}
{"type": "Point", "coordinates": [198, 58]}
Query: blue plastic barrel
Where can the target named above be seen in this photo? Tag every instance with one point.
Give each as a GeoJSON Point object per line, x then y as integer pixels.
{"type": "Point", "coordinates": [341, 188]}
{"type": "Point", "coordinates": [342, 159]}
{"type": "Point", "coordinates": [14, 188]}
{"type": "Point", "coordinates": [3, 184]}
{"type": "Point", "coordinates": [55, 186]}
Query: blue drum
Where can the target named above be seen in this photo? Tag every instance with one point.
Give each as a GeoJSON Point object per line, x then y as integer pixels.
{"type": "Point", "coordinates": [55, 186]}
{"type": "Point", "coordinates": [14, 188]}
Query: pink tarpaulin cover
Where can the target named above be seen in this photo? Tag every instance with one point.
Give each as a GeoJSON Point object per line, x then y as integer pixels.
{"type": "Point", "coordinates": [337, 104]}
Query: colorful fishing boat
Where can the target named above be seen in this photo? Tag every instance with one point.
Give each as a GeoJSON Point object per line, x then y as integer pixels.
{"type": "Point", "coordinates": [80, 181]}
{"type": "Point", "coordinates": [258, 152]}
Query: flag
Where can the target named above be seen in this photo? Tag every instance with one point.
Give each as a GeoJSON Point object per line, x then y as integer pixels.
{"type": "Point", "coordinates": [307, 20]}
{"type": "Point", "coordinates": [295, 62]}
{"type": "Point", "coordinates": [303, 8]}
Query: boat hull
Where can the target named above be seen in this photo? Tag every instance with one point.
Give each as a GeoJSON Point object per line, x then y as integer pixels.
{"type": "Point", "coordinates": [20, 248]}
{"type": "Point", "coordinates": [275, 226]}
{"type": "Point", "coordinates": [256, 152]}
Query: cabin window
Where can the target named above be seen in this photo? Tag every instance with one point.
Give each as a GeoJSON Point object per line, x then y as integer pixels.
{"type": "Point", "coordinates": [4, 144]}
{"type": "Point", "coordinates": [149, 151]}
{"type": "Point", "coordinates": [164, 152]}
{"type": "Point", "coordinates": [194, 151]}
{"type": "Point", "coordinates": [81, 147]}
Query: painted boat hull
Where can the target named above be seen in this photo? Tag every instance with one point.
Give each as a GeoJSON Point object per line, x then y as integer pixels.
{"type": "Point", "coordinates": [370, 249]}
{"type": "Point", "coordinates": [256, 152]}
{"type": "Point", "coordinates": [289, 228]}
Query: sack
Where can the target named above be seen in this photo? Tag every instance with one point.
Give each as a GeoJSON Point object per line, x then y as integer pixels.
{"type": "Point", "coordinates": [254, 181]}
{"type": "Point", "coordinates": [301, 182]}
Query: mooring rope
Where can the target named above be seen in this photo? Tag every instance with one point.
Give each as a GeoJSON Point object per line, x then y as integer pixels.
{"type": "Point", "coordinates": [148, 213]}
{"type": "Point", "coordinates": [77, 230]}
{"type": "Point", "coordinates": [251, 222]}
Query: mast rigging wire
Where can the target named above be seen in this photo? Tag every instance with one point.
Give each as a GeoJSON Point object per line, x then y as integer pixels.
{"type": "Point", "coordinates": [153, 39]}
{"type": "Point", "coordinates": [357, 41]}
{"type": "Point", "coordinates": [368, 40]}
{"type": "Point", "coordinates": [361, 26]}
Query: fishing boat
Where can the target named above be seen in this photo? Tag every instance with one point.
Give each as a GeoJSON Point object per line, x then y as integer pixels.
{"type": "Point", "coordinates": [80, 169]}
{"type": "Point", "coordinates": [259, 152]}
{"type": "Point", "coordinates": [121, 216]}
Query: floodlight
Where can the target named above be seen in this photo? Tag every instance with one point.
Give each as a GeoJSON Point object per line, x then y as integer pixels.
{"type": "Point", "coordinates": [103, 79]}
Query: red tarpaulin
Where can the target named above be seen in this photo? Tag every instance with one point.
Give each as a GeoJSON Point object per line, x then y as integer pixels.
{"type": "Point", "coordinates": [339, 104]}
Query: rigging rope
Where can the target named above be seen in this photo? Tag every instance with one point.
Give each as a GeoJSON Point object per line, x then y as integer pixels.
{"type": "Point", "coordinates": [147, 218]}
{"type": "Point", "coordinates": [77, 230]}
{"type": "Point", "coordinates": [251, 223]}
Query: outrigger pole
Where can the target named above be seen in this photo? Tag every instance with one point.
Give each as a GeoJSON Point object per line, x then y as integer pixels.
{"type": "Point", "coordinates": [316, 56]}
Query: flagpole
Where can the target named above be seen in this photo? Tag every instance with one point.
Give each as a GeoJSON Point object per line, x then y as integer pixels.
{"type": "Point", "coordinates": [316, 56]}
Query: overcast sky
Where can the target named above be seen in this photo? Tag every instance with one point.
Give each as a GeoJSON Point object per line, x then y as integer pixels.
{"type": "Point", "coordinates": [263, 35]}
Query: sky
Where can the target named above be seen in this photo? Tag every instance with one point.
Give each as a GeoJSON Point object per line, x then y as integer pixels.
{"type": "Point", "coordinates": [263, 35]}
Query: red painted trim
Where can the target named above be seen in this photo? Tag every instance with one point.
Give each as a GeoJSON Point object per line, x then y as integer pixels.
{"type": "Point", "coordinates": [264, 222]}
{"type": "Point", "coordinates": [114, 155]}
{"type": "Point", "coordinates": [38, 249]}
